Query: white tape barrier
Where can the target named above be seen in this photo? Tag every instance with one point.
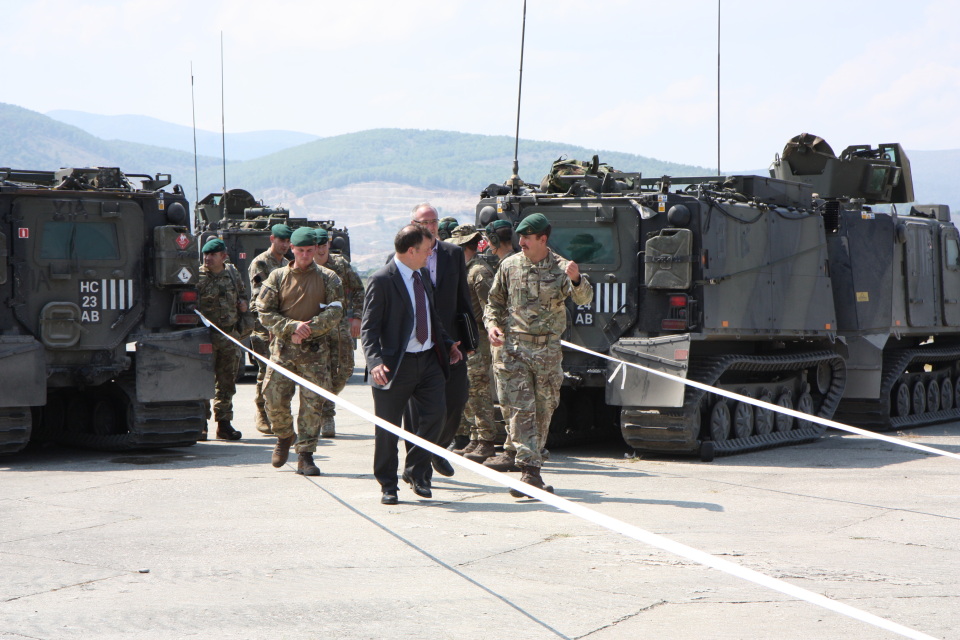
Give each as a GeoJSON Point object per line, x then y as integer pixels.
{"type": "Point", "coordinates": [761, 403]}
{"type": "Point", "coordinates": [590, 515]}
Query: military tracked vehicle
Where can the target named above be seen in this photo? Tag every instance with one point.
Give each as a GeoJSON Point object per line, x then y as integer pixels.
{"type": "Point", "coordinates": [796, 289]}
{"type": "Point", "coordinates": [243, 223]}
{"type": "Point", "coordinates": [99, 345]}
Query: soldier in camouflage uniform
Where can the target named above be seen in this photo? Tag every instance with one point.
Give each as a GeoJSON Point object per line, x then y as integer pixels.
{"type": "Point", "coordinates": [222, 298]}
{"type": "Point", "coordinates": [261, 267]}
{"type": "Point", "coordinates": [525, 313]}
{"type": "Point", "coordinates": [299, 304]}
{"type": "Point", "coordinates": [342, 341]}
{"type": "Point", "coordinates": [500, 236]}
{"type": "Point", "coordinates": [478, 412]}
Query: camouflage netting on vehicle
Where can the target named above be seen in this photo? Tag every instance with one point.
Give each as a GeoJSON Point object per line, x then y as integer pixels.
{"type": "Point", "coordinates": [554, 181]}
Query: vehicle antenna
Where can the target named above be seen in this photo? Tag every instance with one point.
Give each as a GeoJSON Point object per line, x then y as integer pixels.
{"type": "Point", "coordinates": [193, 109]}
{"type": "Point", "coordinates": [515, 181]}
{"type": "Point", "coordinates": [223, 138]}
{"type": "Point", "coordinates": [718, 87]}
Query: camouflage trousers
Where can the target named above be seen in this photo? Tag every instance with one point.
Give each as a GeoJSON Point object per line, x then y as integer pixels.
{"type": "Point", "coordinates": [342, 363]}
{"type": "Point", "coordinates": [260, 344]}
{"type": "Point", "coordinates": [278, 390]}
{"type": "Point", "coordinates": [494, 359]}
{"type": "Point", "coordinates": [528, 380]}
{"type": "Point", "coordinates": [478, 412]}
{"type": "Point", "coordinates": [226, 361]}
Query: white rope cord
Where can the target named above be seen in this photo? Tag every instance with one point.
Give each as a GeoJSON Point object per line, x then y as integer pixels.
{"type": "Point", "coordinates": [597, 518]}
{"type": "Point", "coordinates": [765, 405]}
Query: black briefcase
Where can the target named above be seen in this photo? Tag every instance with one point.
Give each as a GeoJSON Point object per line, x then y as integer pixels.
{"type": "Point", "coordinates": [469, 338]}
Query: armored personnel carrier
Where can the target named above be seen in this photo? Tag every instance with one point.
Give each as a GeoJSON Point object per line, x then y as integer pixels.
{"type": "Point", "coordinates": [243, 223]}
{"type": "Point", "coordinates": [795, 289]}
{"type": "Point", "coordinates": [99, 345]}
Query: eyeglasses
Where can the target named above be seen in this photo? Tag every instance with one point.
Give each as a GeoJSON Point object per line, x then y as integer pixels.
{"type": "Point", "coordinates": [430, 221]}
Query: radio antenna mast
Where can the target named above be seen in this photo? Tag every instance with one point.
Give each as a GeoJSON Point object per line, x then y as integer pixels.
{"type": "Point", "coordinates": [193, 109]}
{"type": "Point", "coordinates": [718, 87]}
{"type": "Point", "coordinates": [223, 137]}
{"type": "Point", "coordinates": [515, 180]}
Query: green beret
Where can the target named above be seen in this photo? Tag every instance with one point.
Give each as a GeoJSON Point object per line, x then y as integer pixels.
{"type": "Point", "coordinates": [281, 231]}
{"type": "Point", "coordinates": [464, 234]}
{"type": "Point", "coordinates": [536, 223]}
{"type": "Point", "coordinates": [213, 245]}
{"type": "Point", "coordinates": [321, 235]}
{"type": "Point", "coordinates": [303, 237]}
{"type": "Point", "coordinates": [446, 227]}
{"type": "Point", "coordinates": [498, 224]}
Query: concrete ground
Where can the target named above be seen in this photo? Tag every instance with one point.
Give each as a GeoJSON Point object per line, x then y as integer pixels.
{"type": "Point", "coordinates": [210, 541]}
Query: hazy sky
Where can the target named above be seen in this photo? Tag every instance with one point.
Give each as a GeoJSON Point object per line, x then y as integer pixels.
{"type": "Point", "coordinates": [627, 75]}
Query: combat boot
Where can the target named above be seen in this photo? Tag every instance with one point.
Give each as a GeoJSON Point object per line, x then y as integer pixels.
{"type": "Point", "coordinates": [225, 431]}
{"type": "Point", "coordinates": [459, 444]}
{"type": "Point", "coordinates": [531, 475]}
{"type": "Point", "coordinates": [481, 452]}
{"type": "Point", "coordinates": [328, 429]}
{"type": "Point", "coordinates": [282, 450]}
{"type": "Point", "coordinates": [464, 450]}
{"type": "Point", "coordinates": [306, 466]}
{"type": "Point", "coordinates": [262, 421]}
{"type": "Point", "coordinates": [506, 461]}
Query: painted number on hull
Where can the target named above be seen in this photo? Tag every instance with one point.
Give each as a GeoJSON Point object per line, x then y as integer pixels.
{"type": "Point", "coordinates": [97, 296]}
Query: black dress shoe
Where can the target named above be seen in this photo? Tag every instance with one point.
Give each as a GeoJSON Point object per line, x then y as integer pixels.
{"type": "Point", "coordinates": [420, 487]}
{"type": "Point", "coordinates": [442, 466]}
{"type": "Point", "coordinates": [389, 497]}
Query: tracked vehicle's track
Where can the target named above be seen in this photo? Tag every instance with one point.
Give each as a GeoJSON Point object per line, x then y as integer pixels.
{"type": "Point", "coordinates": [15, 427]}
{"type": "Point", "coordinates": [907, 397]}
{"type": "Point", "coordinates": [109, 418]}
{"type": "Point", "coordinates": [688, 430]}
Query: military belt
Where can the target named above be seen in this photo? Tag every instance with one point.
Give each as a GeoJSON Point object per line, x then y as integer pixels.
{"type": "Point", "coordinates": [531, 338]}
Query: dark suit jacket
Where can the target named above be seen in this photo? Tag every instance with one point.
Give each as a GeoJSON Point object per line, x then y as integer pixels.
{"type": "Point", "coordinates": [451, 290]}
{"type": "Point", "coordinates": [388, 319]}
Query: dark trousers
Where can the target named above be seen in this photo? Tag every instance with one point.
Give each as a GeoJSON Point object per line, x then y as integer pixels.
{"type": "Point", "coordinates": [418, 381]}
{"type": "Point", "coordinates": [456, 392]}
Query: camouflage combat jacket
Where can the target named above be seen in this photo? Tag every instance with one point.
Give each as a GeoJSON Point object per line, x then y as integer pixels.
{"type": "Point", "coordinates": [326, 319]}
{"type": "Point", "coordinates": [529, 297]}
{"type": "Point", "coordinates": [352, 286]}
{"type": "Point", "coordinates": [261, 267]}
{"type": "Point", "coordinates": [479, 281]}
{"type": "Point", "coordinates": [219, 294]}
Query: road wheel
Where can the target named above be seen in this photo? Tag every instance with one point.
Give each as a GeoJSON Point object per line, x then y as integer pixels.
{"type": "Point", "coordinates": [782, 422]}
{"type": "Point", "coordinates": [901, 399]}
{"type": "Point", "coordinates": [946, 393]}
{"type": "Point", "coordinates": [805, 404]}
{"type": "Point", "coordinates": [763, 418]}
{"type": "Point", "coordinates": [919, 397]}
{"type": "Point", "coordinates": [720, 421]}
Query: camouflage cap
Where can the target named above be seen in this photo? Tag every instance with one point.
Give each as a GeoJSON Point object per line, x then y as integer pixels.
{"type": "Point", "coordinates": [322, 236]}
{"type": "Point", "coordinates": [303, 237]}
{"type": "Point", "coordinates": [281, 231]}
{"type": "Point", "coordinates": [213, 245]}
{"type": "Point", "coordinates": [465, 234]}
{"type": "Point", "coordinates": [536, 223]}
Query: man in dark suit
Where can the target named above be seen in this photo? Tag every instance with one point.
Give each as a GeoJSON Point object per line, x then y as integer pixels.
{"type": "Point", "coordinates": [409, 354]}
{"type": "Point", "coordinates": [448, 273]}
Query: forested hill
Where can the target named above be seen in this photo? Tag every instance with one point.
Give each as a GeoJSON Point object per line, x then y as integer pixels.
{"type": "Point", "coordinates": [30, 140]}
{"type": "Point", "coordinates": [431, 159]}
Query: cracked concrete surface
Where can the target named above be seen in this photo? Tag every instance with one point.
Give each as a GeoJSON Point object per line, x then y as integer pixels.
{"type": "Point", "coordinates": [211, 541]}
